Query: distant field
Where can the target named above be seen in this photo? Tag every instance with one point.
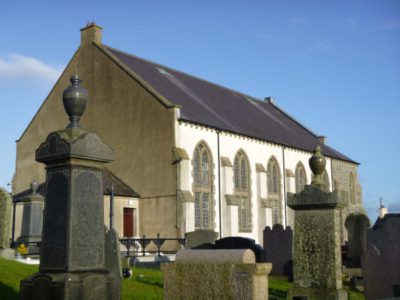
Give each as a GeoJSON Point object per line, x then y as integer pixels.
{"type": "Point", "coordinates": [144, 284]}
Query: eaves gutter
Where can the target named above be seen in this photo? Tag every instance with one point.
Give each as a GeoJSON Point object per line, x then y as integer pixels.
{"type": "Point", "coordinates": [264, 140]}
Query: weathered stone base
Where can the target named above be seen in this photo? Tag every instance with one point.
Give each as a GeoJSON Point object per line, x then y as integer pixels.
{"type": "Point", "coordinates": [71, 286]}
{"type": "Point", "coordinates": [7, 253]}
{"type": "Point", "coordinates": [321, 294]}
{"type": "Point", "coordinates": [215, 281]}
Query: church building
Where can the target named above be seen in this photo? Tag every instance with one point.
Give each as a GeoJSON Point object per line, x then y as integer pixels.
{"type": "Point", "coordinates": [196, 155]}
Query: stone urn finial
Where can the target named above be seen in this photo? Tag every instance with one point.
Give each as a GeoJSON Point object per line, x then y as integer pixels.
{"type": "Point", "coordinates": [75, 99]}
{"type": "Point", "coordinates": [317, 164]}
{"type": "Point", "coordinates": [34, 186]}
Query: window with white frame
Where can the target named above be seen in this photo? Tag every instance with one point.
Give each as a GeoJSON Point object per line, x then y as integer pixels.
{"type": "Point", "coordinates": [242, 190]}
{"type": "Point", "coordinates": [202, 187]}
{"type": "Point", "coordinates": [274, 189]}
{"type": "Point", "coordinates": [300, 177]}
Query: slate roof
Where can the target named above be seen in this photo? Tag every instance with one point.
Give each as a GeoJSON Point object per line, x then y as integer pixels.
{"type": "Point", "coordinates": [212, 105]}
{"type": "Point", "coordinates": [120, 188]}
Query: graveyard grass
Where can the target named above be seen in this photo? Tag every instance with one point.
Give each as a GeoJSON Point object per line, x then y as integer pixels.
{"type": "Point", "coordinates": [144, 284]}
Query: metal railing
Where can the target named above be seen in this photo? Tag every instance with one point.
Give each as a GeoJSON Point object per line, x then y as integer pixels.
{"type": "Point", "coordinates": [139, 245]}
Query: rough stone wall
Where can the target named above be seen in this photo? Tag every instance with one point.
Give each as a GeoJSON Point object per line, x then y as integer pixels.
{"type": "Point", "coordinates": [127, 117]}
{"type": "Point", "coordinates": [5, 218]}
{"type": "Point", "coordinates": [215, 281]}
{"type": "Point", "coordinates": [317, 256]}
{"type": "Point", "coordinates": [341, 173]}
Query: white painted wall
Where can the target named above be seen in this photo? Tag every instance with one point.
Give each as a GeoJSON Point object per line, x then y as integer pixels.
{"type": "Point", "coordinates": [190, 135]}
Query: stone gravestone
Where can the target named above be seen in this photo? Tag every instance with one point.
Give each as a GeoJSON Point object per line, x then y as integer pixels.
{"type": "Point", "coordinates": [32, 219]}
{"type": "Point", "coordinates": [316, 249]}
{"type": "Point", "coordinates": [381, 261]}
{"type": "Point", "coordinates": [278, 245]}
{"type": "Point", "coordinates": [73, 260]}
{"type": "Point", "coordinates": [5, 221]}
{"type": "Point", "coordinates": [356, 226]}
{"type": "Point", "coordinates": [215, 274]}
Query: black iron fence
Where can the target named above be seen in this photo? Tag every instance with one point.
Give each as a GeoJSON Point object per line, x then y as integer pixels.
{"type": "Point", "coordinates": [140, 246]}
{"type": "Point", "coordinates": [134, 246]}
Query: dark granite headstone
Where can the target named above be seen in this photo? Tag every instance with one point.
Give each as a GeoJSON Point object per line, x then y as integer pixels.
{"type": "Point", "coordinates": [79, 259]}
{"type": "Point", "coordinates": [381, 261]}
{"type": "Point", "coordinates": [278, 245]}
{"type": "Point", "coordinates": [235, 242]}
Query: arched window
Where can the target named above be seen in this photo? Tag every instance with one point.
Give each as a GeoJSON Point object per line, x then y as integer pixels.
{"type": "Point", "coordinates": [301, 179]}
{"type": "Point", "coordinates": [202, 187]}
{"type": "Point", "coordinates": [274, 190]}
{"type": "Point", "coordinates": [242, 190]}
{"type": "Point", "coordinates": [325, 181]}
{"type": "Point", "coordinates": [352, 190]}
{"type": "Point", "coordinates": [273, 177]}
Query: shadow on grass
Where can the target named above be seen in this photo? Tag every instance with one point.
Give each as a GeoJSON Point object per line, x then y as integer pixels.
{"type": "Point", "coordinates": [8, 293]}
{"type": "Point", "coordinates": [149, 282]}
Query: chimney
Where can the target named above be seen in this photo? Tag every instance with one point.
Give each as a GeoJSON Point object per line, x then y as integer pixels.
{"type": "Point", "coordinates": [269, 100]}
{"type": "Point", "coordinates": [382, 209]}
{"type": "Point", "coordinates": [91, 33]}
{"type": "Point", "coordinates": [322, 139]}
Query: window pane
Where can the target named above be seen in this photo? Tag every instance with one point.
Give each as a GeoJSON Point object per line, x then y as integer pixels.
{"type": "Point", "coordinates": [205, 167]}
{"type": "Point", "coordinates": [236, 173]}
{"type": "Point", "coordinates": [197, 220]}
{"type": "Point", "coordinates": [196, 167]}
{"type": "Point", "coordinates": [206, 210]}
{"type": "Point", "coordinates": [243, 174]}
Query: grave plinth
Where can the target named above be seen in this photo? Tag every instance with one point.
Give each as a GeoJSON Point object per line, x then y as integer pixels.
{"type": "Point", "coordinates": [317, 252]}
{"type": "Point", "coordinates": [73, 259]}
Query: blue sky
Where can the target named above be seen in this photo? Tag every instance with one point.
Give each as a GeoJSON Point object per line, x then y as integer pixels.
{"type": "Point", "coordinates": [334, 65]}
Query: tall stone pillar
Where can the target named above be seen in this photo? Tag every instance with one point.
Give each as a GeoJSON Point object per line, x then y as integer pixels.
{"type": "Point", "coordinates": [5, 220]}
{"type": "Point", "coordinates": [32, 219]}
{"type": "Point", "coordinates": [317, 260]}
{"type": "Point", "coordinates": [73, 260]}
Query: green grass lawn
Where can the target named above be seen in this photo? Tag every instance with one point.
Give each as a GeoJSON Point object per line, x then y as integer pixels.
{"type": "Point", "coordinates": [144, 284]}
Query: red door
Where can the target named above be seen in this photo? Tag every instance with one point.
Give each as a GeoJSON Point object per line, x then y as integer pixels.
{"type": "Point", "coordinates": [128, 222]}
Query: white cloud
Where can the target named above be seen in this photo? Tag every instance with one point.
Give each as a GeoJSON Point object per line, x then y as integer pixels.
{"type": "Point", "coordinates": [17, 66]}
{"type": "Point", "coordinates": [390, 25]}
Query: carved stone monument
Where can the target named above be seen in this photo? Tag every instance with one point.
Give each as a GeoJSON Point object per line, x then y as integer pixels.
{"type": "Point", "coordinates": [5, 221]}
{"type": "Point", "coordinates": [317, 256]}
{"type": "Point", "coordinates": [73, 262]}
{"type": "Point", "coordinates": [32, 219]}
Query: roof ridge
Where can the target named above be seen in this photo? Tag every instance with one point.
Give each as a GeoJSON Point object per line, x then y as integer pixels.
{"type": "Point", "coordinates": [184, 73]}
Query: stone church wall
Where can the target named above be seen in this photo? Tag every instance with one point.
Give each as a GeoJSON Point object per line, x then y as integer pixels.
{"type": "Point", "coordinates": [341, 173]}
{"type": "Point", "coordinates": [129, 118]}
